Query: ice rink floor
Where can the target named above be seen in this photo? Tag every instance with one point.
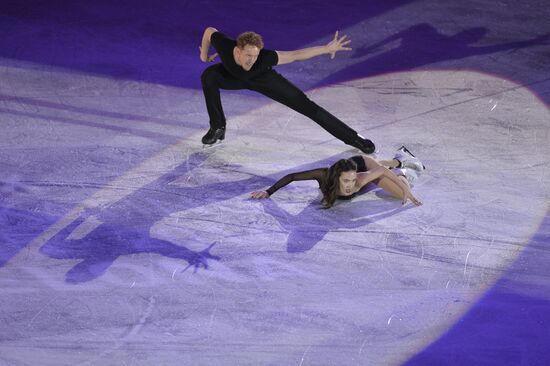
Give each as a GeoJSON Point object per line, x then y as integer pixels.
{"type": "Point", "coordinates": [125, 242]}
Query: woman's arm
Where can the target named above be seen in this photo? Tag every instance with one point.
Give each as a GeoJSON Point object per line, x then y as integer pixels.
{"type": "Point", "coordinates": [315, 174]}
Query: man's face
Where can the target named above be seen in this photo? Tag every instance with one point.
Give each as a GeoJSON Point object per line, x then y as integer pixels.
{"type": "Point", "coordinates": [247, 56]}
{"type": "Point", "coordinates": [347, 182]}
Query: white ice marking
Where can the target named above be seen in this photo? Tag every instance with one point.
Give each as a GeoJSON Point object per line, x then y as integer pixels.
{"type": "Point", "coordinates": [211, 321]}
{"type": "Point", "coordinates": [133, 284]}
{"type": "Point", "coordinates": [430, 280]}
{"type": "Point", "coordinates": [494, 106]}
{"type": "Point", "coordinates": [41, 310]}
{"type": "Point", "coordinates": [137, 327]}
{"type": "Point", "coordinates": [131, 333]}
{"type": "Point", "coordinates": [304, 355]}
{"type": "Point", "coordinates": [362, 346]}
{"type": "Point", "coordinates": [466, 262]}
{"type": "Point", "coordinates": [391, 317]}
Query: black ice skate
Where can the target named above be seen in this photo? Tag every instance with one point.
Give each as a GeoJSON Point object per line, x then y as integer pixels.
{"type": "Point", "coordinates": [363, 144]}
{"type": "Point", "coordinates": [213, 135]}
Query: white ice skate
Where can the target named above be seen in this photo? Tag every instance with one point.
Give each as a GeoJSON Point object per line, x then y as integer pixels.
{"type": "Point", "coordinates": [408, 160]}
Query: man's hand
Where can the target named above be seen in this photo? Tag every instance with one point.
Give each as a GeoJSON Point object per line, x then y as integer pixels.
{"type": "Point", "coordinates": [205, 57]}
{"type": "Point", "coordinates": [259, 195]}
{"type": "Point", "coordinates": [337, 44]}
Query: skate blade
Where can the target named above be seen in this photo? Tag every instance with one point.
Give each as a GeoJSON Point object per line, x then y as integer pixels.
{"type": "Point", "coordinates": [215, 144]}
{"type": "Point", "coordinates": [405, 150]}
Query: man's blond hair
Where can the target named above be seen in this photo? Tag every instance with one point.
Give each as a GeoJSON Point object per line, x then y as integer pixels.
{"type": "Point", "coordinates": [251, 38]}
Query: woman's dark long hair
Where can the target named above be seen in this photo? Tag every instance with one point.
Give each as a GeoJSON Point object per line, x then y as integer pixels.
{"type": "Point", "coordinates": [331, 186]}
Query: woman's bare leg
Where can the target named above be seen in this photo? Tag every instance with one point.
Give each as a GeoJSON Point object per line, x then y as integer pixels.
{"type": "Point", "coordinates": [371, 163]}
{"type": "Point", "coordinates": [390, 163]}
{"type": "Point", "coordinates": [385, 183]}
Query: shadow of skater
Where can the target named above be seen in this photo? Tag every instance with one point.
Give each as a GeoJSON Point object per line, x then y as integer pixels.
{"type": "Point", "coordinates": [421, 45]}
{"type": "Point", "coordinates": [100, 248]}
{"type": "Point", "coordinates": [310, 226]}
{"type": "Point", "coordinates": [100, 236]}
{"type": "Point", "coordinates": [123, 229]}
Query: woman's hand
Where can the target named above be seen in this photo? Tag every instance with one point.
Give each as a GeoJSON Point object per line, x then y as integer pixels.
{"type": "Point", "coordinates": [409, 196]}
{"type": "Point", "coordinates": [259, 195]}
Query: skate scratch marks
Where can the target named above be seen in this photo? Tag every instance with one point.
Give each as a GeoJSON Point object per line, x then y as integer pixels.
{"type": "Point", "coordinates": [391, 318]}
{"type": "Point", "coordinates": [304, 355]}
{"type": "Point", "coordinates": [132, 332]}
{"type": "Point", "coordinates": [362, 346]}
{"type": "Point", "coordinates": [384, 266]}
{"type": "Point", "coordinates": [211, 321]}
{"type": "Point", "coordinates": [40, 311]}
{"type": "Point", "coordinates": [466, 262]}
{"type": "Point", "coordinates": [136, 328]}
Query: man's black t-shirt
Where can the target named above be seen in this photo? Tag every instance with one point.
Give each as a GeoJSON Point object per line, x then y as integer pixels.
{"type": "Point", "coordinates": [225, 45]}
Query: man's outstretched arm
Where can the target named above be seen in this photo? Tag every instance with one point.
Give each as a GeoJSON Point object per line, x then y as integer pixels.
{"type": "Point", "coordinates": [205, 45]}
{"type": "Point", "coordinates": [337, 44]}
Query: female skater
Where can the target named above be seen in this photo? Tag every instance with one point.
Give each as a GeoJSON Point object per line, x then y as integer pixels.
{"type": "Point", "coordinates": [346, 177]}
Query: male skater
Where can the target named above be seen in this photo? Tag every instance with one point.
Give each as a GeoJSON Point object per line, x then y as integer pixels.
{"type": "Point", "coordinates": [245, 64]}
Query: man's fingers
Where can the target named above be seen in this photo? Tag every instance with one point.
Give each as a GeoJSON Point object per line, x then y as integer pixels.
{"type": "Point", "coordinates": [336, 36]}
{"type": "Point", "coordinates": [258, 195]}
{"type": "Point", "coordinates": [344, 40]}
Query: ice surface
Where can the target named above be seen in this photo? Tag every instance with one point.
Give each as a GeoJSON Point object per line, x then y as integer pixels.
{"type": "Point", "coordinates": [126, 242]}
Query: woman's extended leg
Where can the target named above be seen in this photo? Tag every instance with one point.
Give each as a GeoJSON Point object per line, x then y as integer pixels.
{"type": "Point", "coordinates": [389, 185]}
{"type": "Point", "coordinates": [371, 163]}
